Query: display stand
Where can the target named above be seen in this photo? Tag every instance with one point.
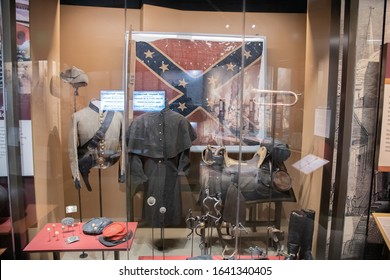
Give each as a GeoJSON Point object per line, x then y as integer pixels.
{"type": "Point", "coordinates": [75, 94]}
{"type": "Point", "coordinates": [162, 230]}
{"type": "Point", "coordinates": [215, 257]}
{"type": "Point", "coordinates": [100, 199]}
{"type": "Point", "coordinates": [83, 255]}
{"type": "Point", "coordinates": [151, 201]}
{"type": "Point", "coordinates": [100, 194]}
{"type": "Point", "coordinates": [383, 222]}
{"type": "Point", "coordinates": [42, 243]}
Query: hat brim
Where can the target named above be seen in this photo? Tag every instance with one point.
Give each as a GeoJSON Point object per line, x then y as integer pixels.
{"type": "Point", "coordinates": [112, 243]}
{"type": "Point", "coordinates": [74, 76]}
{"type": "Point", "coordinates": [100, 223]}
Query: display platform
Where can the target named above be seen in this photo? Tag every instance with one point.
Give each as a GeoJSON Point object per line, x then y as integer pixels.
{"type": "Point", "coordinates": [2, 250]}
{"type": "Point", "coordinates": [238, 257]}
{"type": "Point", "coordinates": [383, 222]}
{"type": "Point", "coordinates": [5, 226]}
{"type": "Point", "coordinates": [48, 241]}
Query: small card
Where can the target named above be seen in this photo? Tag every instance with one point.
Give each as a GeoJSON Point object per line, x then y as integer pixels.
{"type": "Point", "coordinates": [72, 239]}
{"type": "Point", "coordinates": [71, 209]}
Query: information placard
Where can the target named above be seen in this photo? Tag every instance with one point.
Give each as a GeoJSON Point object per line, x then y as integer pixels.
{"type": "Point", "coordinates": [384, 146]}
{"type": "Point", "coordinates": [148, 100]}
{"type": "Point", "coordinates": [3, 150]}
{"type": "Point", "coordinates": [26, 149]}
{"type": "Point", "coordinates": [112, 100]}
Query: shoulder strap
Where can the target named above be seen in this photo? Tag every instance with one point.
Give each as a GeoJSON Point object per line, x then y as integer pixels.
{"type": "Point", "coordinates": [99, 135]}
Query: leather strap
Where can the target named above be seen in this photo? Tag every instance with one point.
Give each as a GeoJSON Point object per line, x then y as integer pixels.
{"type": "Point", "coordinates": [99, 135]}
{"type": "Point", "coordinates": [91, 145]}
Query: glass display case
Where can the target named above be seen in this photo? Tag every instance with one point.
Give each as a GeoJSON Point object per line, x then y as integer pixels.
{"type": "Point", "coordinates": [140, 131]}
{"type": "Point", "coordinates": [215, 133]}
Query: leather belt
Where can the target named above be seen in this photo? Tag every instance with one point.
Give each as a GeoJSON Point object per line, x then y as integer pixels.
{"type": "Point", "coordinates": [92, 154]}
{"type": "Point", "coordinates": [87, 162]}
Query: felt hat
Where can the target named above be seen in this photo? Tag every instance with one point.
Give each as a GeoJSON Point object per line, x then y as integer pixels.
{"type": "Point", "coordinates": [95, 226]}
{"type": "Point", "coordinates": [114, 234]}
{"type": "Point", "coordinates": [75, 76]}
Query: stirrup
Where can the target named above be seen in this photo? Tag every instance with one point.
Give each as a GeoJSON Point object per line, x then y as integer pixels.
{"type": "Point", "coordinates": [262, 152]}
{"type": "Point", "coordinates": [226, 257]}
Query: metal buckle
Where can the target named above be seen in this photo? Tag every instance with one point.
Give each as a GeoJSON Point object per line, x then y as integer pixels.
{"type": "Point", "coordinates": [99, 135]}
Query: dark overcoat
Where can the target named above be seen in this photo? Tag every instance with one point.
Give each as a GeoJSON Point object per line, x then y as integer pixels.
{"type": "Point", "coordinates": [159, 147]}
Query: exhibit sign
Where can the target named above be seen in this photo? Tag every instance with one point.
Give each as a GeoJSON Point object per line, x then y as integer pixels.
{"type": "Point", "coordinates": [384, 146]}
{"type": "Point", "coordinates": [112, 100]}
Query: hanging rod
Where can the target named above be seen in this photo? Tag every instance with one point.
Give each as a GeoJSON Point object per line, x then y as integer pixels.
{"type": "Point", "coordinates": [276, 92]}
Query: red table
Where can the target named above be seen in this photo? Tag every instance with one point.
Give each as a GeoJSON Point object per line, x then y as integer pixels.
{"type": "Point", "coordinates": [241, 257]}
{"type": "Point", "coordinates": [46, 241]}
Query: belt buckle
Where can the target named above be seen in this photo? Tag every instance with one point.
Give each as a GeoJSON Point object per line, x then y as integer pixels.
{"type": "Point", "coordinates": [93, 144]}
{"type": "Point", "coordinates": [99, 135]}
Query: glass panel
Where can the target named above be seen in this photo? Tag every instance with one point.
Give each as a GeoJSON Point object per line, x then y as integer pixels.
{"type": "Point", "coordinates": [362, 153]}
{"type": "Point", "coordinates": [92, 122]}
{"type": "Point", "coordinates": [71, 75]}
{"type": "Point", "coordinates": [240, 102]}
{"type": "Point", "coordinates": [186, 132]}
{"type": "Point", "coordinates": [15, 130]}
{"type": "Point", "coordinates": [6, 251]}
{"type": "Point", "coordinates": [193, 81]}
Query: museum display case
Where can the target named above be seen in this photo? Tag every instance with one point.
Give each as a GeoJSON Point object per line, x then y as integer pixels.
{"type": "Point", "coordinates": [136, 130]}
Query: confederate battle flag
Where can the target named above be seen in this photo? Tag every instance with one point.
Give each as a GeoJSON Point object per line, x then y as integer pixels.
{"type": "Point", "coordinates": [204, 80]}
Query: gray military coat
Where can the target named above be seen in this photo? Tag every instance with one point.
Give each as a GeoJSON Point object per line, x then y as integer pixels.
{"type": "Point", "coordinates": [85, 123]}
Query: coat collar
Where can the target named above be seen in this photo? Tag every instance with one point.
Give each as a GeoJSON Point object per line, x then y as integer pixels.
{"type": "Point", "coordinates": [93, 107]}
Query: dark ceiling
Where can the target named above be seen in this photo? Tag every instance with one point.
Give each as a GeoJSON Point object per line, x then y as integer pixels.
{"type": "Point", "coordinates": [269, 6]}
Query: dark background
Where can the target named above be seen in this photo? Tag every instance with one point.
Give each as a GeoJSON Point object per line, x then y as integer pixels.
{"type": "Point", "coordinates": [269, 6]}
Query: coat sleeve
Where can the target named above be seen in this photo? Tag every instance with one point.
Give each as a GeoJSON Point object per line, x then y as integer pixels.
{"type": "Point", "coordinates": [72, 151]}
{"type": "Point", "coordinates": [184, 163]}
{"type": "Point", "coordinates": [137, 175]}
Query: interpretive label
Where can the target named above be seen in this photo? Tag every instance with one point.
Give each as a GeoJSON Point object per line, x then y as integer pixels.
{"type": "Point", "coordinates": [112, 100]}
{"type": "Point", "coordinates": [148, 101]}
{"type": "Point", "coordinates": [3, 150]}
{"type": "Point", "coordinates": [384, 146]}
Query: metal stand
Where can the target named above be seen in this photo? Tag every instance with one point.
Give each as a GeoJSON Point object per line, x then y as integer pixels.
{"type": "Point", "coordinates": [162, 212]}
{"type": "Point", "coordinates": [100, 193]}
{"type": "Point", "coordinates": [100, 199]}
{"type": "Point", "coordinates": [151, 202]}
{"type": "Point", "coordinates": [83, 255]}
